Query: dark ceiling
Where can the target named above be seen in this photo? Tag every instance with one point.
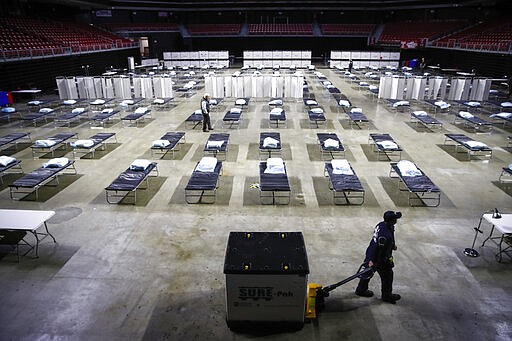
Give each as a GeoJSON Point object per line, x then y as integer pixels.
{"type": "Point", "coordinates": [213, 5]}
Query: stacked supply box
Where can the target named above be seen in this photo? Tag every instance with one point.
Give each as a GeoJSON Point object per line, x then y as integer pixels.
{"type": "Point", "coordinates": [266, 278]}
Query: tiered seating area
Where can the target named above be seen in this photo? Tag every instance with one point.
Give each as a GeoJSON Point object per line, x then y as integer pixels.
{"type": "Point", "coordinates": [347, 29]}
{"type": "Point", "coordinates": [493, 36]}
{"type": "Point", "coordinates": [281, 29]}
{"type": "Point", "coordinates": [23, 37]}
{"type": "Point", "coordinates": [417, 31]}
{"type": "Point", "coordinates": [143, 27]}
{"type": "Point", "coordinates": [214, 29]}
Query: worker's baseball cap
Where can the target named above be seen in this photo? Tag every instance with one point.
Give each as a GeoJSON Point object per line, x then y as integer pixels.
{"type": "Point", "coordinates": [392, 215]}
{"type": "Point", "coordinates": [206, 95]}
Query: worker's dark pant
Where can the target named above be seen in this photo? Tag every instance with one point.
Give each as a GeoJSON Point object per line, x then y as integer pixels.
{"type": "Point", "coordinates": [206, 122]}
{"type": "Point", "coordinates": [386, 279]}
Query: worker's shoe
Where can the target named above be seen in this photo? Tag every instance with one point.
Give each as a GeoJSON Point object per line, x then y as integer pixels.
{"type": "Point", "coordinates": [391, 299]}
{"type": "Point", "coordinates": [366, 293]}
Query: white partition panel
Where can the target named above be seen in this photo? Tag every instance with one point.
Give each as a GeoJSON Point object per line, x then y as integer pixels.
{"type": "Point", "coordinates": [227, 86]}
{"type": "Point", "coordinates": [137, 87]}
{"type": "Point", "coordinates": [62, 87]}
{"type": "Point", "coordinates": [108, 87]}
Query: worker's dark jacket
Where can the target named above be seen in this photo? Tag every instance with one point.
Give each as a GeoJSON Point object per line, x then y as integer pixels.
{"type": "Point", "coordinates": [381, 246]}
{"type": "Point", "coordinates": [205, 106]}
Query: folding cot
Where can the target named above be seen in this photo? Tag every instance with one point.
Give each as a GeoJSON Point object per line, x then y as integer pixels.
{"type": "Point", "coordinates": [438, 105]}
{"type": "Point", "coordinates": [473, 148]}
{"type": "Point", "coordinates": [161, 103]}
{"type": "Point", "coordinates": [104, 116]}
{"type": "Point", "coordinates": [506, 174]}
{"type": "Point", "coordinates": [7, 112]}
{"type": "Point", "coordinates": [505, 117]}
{"type": "Point", "coordinates": [473, 121]}
{"type": "Point", "coordinates": [215, 103]}
{"type": "Point", "coordinates": [137, 116]}
{"type": "Point", "coordinates": [362, 85]}
{"type": "Point", "coordinates": [31, 182]}
{"type": "Point", "coordinates": [429, 122]}
{"type": "Point", "coordinates": [416, 183]}
{"type": "Point", "coordinates": [9, 165]}
{"type": "Point", "coordinates": [357, 117]}
{"type": "Point", "coordinates": [384, 143]}
{"type": "Point", "coordinates": [373, 90]}
{"type": "Point", "coordinates": [270, 144]}
{"type": "Point", "coordinates": [170, 142]}
{"type": "Point", "coordinates": [130, 180]}
{"type": "Point", "coordinates": [242, 102]}
{"type": "Point", "coordinates": [232, 118]}
{"type": "Point", "coordinates": [216, 145]}
{"type": "Point", "coordinates": [203, 182]}
{"type": "Point", "coordinates": [344, 183]}
{"type": "Point", "coordinates": [316, 117]}
{"type": "Point", "coordinates": [276, 116]}
{"type": "Point", "coordinates": [194, 119]}
{"type": "Point", "coordinates": [274, 184]}
{"type": "Point", "coordinates": [330, 145]}
{"type": "Point", "coordinates": [398, 104]}
{"type": "Point", "coordinates": [344, 103]}
{"type": "Point", "coordinates": [333, 90]}
{"type": "Point", "coordinates": [73, 116]}
{"type": "Point", "coordinates": [13, 139]}
{"type": "Point", "coordinates": [42, 114]}
{"type": "Point", "coordinates": [49, 145]}
{"type": "Point", "coordinates": [39, 104]}
{"type": "Point", "coordinates": [469, 105]}
{"type": "Point", "coordinates": [90, 145]}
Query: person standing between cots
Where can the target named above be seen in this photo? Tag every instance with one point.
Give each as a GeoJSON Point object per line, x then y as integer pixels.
{"type": "Point", "coordinates": [205, 109]}
{"type": "Point", "coordinates": [379, 255]}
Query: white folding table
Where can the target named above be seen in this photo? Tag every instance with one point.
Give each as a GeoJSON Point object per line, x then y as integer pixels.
{"type": "Point", "coordinates": [504, 226]}
{"type": "Point", "coordinates": [27, 220]}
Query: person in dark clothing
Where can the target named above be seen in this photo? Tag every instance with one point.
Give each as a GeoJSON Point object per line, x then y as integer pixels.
{"type": "Point", "coordinates": [379, 255]}
{"type": "Point", "coordinates": [423, 65]}
{"type": "Point", "coordinates": [205, 109]}
{"type": "Point", "coordinates": [350, 65]}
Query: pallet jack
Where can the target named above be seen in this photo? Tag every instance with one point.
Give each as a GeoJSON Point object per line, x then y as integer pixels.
{"type": "Point", "coordinates": [317, 294]}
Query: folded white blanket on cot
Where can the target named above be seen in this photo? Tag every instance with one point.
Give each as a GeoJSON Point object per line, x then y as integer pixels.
{"type": "Point", "coordinates": [159, 101]}
{"type": "Point", "coordinates": [502, 115]}
{"type": "Point", "coordinates": [465, 114]}
{"type": "Point", "coordinates": [98, 102]}
{"type": "Point", "coordinates": [140, 164]}
{"type": "Point", "coordinates": [341, 167]}
{"type": "Point", "coordinates": [387, 144]}
{"type": "Point", "coordinates": [141, 110]}
{"type": "Point", "coordinates": [45, 143]}
{"type": "Point", "coordinates": [214, 101]}
{"type": "Point", "coordinates": [420, 113]}
{"type": "Point", "coordinates": [240, 101]}
{"type": "Point", "coordinates": [373, 87]}
{"type": "Point", "coordinates": [235, 111]}
{"type": "Point", "coordinates": [45, 110]}
{"type": "Point", "coordinates": [311, 102]}
{"type": "Point", "coordinates": [506, 104]}
{"type": "Point", "coordinates": [476, 144]}
{"type": "Point", "coordinates": [275, 165]}
{"type": "Point", "coordinates": [276, 111]}
{"type": "Point", "coordinates": [78, 110]}
{"type": "Point", "coordinates": [407, 168]}
{"type": "Point", "coordinates": [317, 110]}
{"type": "Point", "coordinates": [82, 143]}
{"type": "Point", "coordinates": [56, 163]}
{"type": "Point", "coordinates": [214, 144]}
{"type": "Point", "coordinates": [472, 104]}
{"type": "Point", "coordinates": [6, 160]}
{"type": "Point", "coordinates": [270, 142]}
{"type": "Point", "coordinates": [107, 111]}
{"type": "Point", "coordinates": [8, 109]}
{"type": "Point", "coordinates": [160, 143]}
{"type": "Point", "coordinates": [400, 103]}
{"type": "Point", "coordinates": [69, 102]}
{"type": "Point", "coordinates": [344, 103]}
{"type": "Point", "coordinates": [331, 143]}
{"type": "Point", "coordinates": [442, 104]}
{"type": "Point", "coordinates": [357, 110]}
{"type": "Point", "coordinates": [207, 164]}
